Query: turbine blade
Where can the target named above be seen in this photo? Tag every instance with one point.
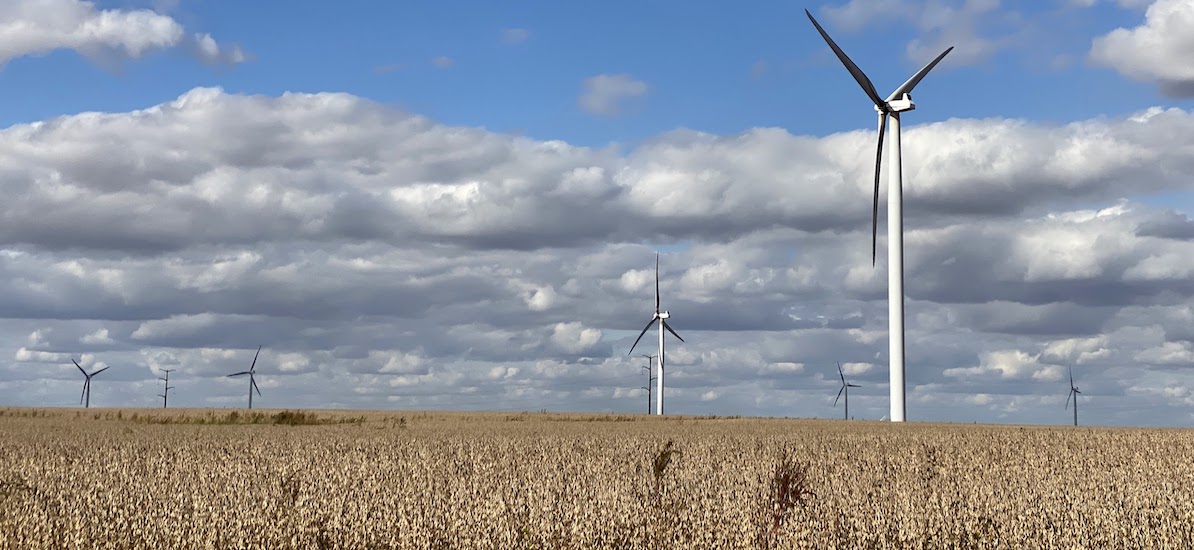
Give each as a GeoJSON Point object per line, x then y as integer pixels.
{"type": "Point", "coordinates": [840, 373]}
{"type": "Point", "coordinates": [72, 360]}
{"type": "Point", "coordinates": [875, 202]}
{"type": "Point", "coordinates": [857, 73]}
{"type": "Point", "coordinates": [253, 381]}
{"type": "Point", "coordinates": [101, 370]}
{"type": "Point", "coordinates": [1071, 377]}
{"type": "Point", "coordinates": [656, 282]}
{"type": "Point", "coordinates": [254, 365]}
{"type": "Point", "coordinates": [239, 374]}
{"type": "Point", "coordinates": [906, 87]}
{"type": "Point", "coordinates": [640, 335]}
{"type": "Point", "coordinates": [669, 329]}
{"type": "Point", "coordinates": [839, 395]}
{"type": "Point", "coordinates": [854, 385]}
{"type": "Point", "coordinates": [84, 393]}
{"type": "Point", "coordinates": [1067, 398]}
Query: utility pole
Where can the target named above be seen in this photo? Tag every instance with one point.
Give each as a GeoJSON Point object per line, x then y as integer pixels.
{"type": "Point", "coordinates": [650, 379]}
{"type": "Point", "coordinates": [165, 395]}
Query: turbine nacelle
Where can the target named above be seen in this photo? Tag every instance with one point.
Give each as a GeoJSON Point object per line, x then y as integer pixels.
{"type": "Point", "coordinates": [663, 315]}
{"type": "Point", "coordinates": [903, 103]}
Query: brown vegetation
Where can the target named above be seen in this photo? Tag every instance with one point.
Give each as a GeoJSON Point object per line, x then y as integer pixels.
{"type": "Point", "coordinates": [101, 479]}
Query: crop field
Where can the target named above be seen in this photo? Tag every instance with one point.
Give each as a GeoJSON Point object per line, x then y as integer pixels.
{"type": "Point", "coordinates": [209, 479]}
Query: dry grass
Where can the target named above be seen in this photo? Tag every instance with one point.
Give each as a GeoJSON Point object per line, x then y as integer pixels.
{"type": "Point", "coordinates": [466, 480]}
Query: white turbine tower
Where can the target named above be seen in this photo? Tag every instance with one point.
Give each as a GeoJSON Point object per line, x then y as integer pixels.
{"type": "Point", "coordinates": [1073, 393]}
{"type": "Point", "coordinates": [661, 317]}
{"type": "Point", "coordinates": [899, 101]}
{"type": "Point", "coordinates": [252, 379]}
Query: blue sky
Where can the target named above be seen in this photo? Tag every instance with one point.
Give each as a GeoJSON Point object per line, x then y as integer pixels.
{"type": "Point", "coordinates": [457, 205]}
{"type": "Point", "coordinates": [698, 60]}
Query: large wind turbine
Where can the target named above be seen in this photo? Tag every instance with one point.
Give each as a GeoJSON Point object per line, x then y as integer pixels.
{"type": "Point", "coordinates": [650, 379]}
{"type": "Point", "coordinates": [1073, 393]}
{"type": "Point", "coordinates": [85, 397]}
{"type": "Point", "coordinates": [252, 381]}
{"type": "Point", "coordinates": [662, 318]}
{"type": "Point", "coordinates": [845, 388]}
{"type": "Point", "coordinates": [166, 392]}
{"type": "Point", "coordinates": [899, 101]}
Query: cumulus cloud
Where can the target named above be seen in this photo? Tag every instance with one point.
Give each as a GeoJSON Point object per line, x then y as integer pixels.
{"type": "Point", "coordinates": [610, 94]}
{"type": "Point", "coordinates": [208, 51]}
{"type": "Point", "coordinates": [98, 337]}
{"type": "Point", "coordinates": [977, 29]}
{"type": "Point", "coordinates": [385, 260]}
{"type": "Point", "coordinates": [1160, 50]}
{"type": "Point", "coordinates": [574, 337]}
{"type": "Point", "coordinates": [38, 27]}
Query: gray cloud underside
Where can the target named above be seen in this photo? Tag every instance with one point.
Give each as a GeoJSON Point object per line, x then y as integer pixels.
{"type": "Point", "coordinates": [388, 261]}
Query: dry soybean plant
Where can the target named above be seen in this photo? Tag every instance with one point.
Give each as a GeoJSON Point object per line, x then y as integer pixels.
{"type": "Point", "coordinates": [476, 480]}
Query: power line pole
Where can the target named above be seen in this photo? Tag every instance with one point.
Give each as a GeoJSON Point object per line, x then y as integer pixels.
{"type": "Point", "coordinates": [650, 379]}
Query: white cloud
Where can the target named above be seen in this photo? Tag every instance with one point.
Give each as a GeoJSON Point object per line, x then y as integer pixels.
{"type": "Point", "coordinates": [515, 35]}
{"type": "Point", "coordinates": [1161, 50]}
{"type": "Point", "coordinates": [27, 355]}
{"type": "Point", "coordinates": [857, 14]}
{"type": "Point", "coordinates": [976, 28]}
{"type": "Point", "coordinates": [574, 337]}
{"type": "Point", "coordinates": [99, 337]}
{"type": "Point", "coordinates": [1077, 350]}
{"type": "Point", "coordinates": [37, 338]}
{"type": "Point", "coordinates": [609, 94]}
{"type": "Point", "coordinates": [1168, 353]}
{"type": "Point", "coordinates": [1007, 364]}
{"type": "Point", "coordinates": [385, 260]}
{"type": "Point", "coordinates": [785, 367]}
{"type": "Point", "coordinates": [298, 362]}
{"type": "Point", "coordinates": [212, 53]}
{"type": "Point", "coordinates": [854, 369]}
{"type": "Point", "coordinates": [178, 325]}
{"type": "Point", "coordinates": [37, 27]}
{"type": "Point", "coordinates": [443, 61]}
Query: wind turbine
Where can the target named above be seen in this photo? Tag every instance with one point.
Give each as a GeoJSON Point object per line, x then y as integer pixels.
{"type": "Point", "coordinates": [1073, 393]}
{"type": "Point", "coordinates": [899, 101]}
{"type": "Point", "coordinates": [845, 389]}
{"type": "Point", "coordinates": [252, 381]}
{"type": "Point", "coordinates": [650, 379]}
{"type": "Point", "coordinates": [662, 317]}
{"type": "Point", "coordinates": [85, 398]}
{"type": "Point", "coordinates": [166, 393]}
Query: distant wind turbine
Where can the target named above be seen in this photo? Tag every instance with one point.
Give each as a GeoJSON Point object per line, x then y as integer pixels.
{"type": "Point", "coordinates": [650, 379]}
{"type": "Point", "coordinates": [1073, 393]}
{"type": "Point", "coordinates": [899, 101]}
{"type": "Point", "coordinates": [252, 380]}
{"type": "Point", "coordinates": [85, 398]}
{"type": "Point", "coordinates": [845, 389]}
{"type": "Point", "coordinates": [662, 318]}
{"type": "Point", "coordinates": [166, 392]}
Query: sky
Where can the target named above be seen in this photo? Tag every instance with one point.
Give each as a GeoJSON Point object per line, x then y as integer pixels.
{"type": "Point", "coordinates": [457, 205]}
